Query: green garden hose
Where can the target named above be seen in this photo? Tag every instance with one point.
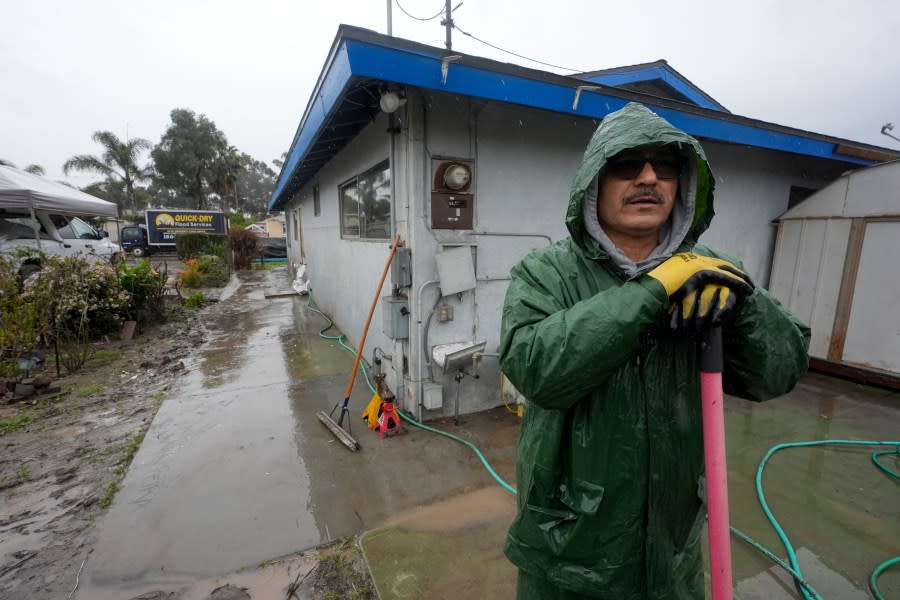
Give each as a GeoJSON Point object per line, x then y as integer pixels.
{"type": "Point", "coordinates": [791, 566]}
{"type": "Point", "coordinates": [792, 557]}
{"type": "Point", "coordinates": [340, 338]}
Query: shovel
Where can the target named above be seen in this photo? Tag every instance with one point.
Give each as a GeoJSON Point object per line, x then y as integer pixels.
{"type": "Point", "coordinates": [711, 365]}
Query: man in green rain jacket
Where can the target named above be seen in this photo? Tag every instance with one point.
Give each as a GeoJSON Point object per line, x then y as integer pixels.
{"type": "Point", "coordinates": [599, 333]}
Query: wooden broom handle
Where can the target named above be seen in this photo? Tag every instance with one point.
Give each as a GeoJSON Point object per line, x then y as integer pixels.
{"type": "Point", "coordinates": [362, 341]}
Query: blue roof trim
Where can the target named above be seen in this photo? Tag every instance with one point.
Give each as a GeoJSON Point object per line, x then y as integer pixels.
{"type": "Point", "coordinates": [425, 72]}
{"type": "Point", "coordinates": [320, 107]}
{"type": "Point", "coordinates": [686, 88]}
{"type": "Point", "coordinates": [356, 59]}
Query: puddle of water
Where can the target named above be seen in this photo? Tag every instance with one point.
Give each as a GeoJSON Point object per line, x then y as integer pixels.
{"type": "Point", "coordinates": [832, 502]}
{"type": "Point", "coordinates": [452, 549]}
{"type": "Point", "coordinates": [217, 484]}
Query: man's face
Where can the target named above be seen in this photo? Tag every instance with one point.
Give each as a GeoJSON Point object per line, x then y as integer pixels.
{"type": "Point", "coordinates": [637, 191]}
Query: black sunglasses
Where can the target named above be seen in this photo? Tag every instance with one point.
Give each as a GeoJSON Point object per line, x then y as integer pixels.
{"type": "Point", "coordinates": [631, 167]}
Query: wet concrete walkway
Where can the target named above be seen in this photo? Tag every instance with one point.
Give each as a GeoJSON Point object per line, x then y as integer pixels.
{"type": "Point", "coordinates": [236, 468]}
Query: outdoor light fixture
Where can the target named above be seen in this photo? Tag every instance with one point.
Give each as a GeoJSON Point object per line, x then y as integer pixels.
{"type": "Point", "coordinates": [889, 127]}
{"type": "Point", "coordinates": [391, 101]}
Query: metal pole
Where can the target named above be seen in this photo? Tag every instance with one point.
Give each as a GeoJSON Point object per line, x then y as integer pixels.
{"type": "Point", "coordinates": [389, 7]}
{"type": "Point", "coordinates": [448, 23]}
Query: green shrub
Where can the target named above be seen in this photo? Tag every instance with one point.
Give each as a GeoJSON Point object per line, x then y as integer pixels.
{"type": "Point", "coordinates": [214, 270]}
{"type": "Point", "coordinates": [244, 246]}
{"type": "Point", "coordinates": [192, 245]}
{"type": "Point", "coordinates": [20, 327]}
{"type": "Point", "coordinates": [195, 300]}
{"type": "Point", "coordinates": [146, 286]}
{"type": "Point", "coordinates": [76, 299]}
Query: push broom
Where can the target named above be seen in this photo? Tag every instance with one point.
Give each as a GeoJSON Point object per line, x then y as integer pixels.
{"type": "Point", "coordinates": [337, 428]}
{"type": "Point", "coordinates": [711, 365]}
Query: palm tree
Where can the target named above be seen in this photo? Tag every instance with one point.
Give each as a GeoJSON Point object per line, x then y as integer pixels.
{"type": "Point", "coordinates": [225, 175]}
{"type": "Point", "coordinates": [119, 161]}
{"type": "Point", "coordinates": [35, 170]}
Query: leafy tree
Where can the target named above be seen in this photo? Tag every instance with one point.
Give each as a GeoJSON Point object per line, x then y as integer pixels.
{"type": "Point", "coordinates": [109, 189]}
{"type": "Point", "coordinates": [118, 161]}
{"type": "Point", "coordinates": [254, 186]}
{"type": "Point", "coordinates": [33, 169]}
{"type": "Point", "coordinates": [189, 157]}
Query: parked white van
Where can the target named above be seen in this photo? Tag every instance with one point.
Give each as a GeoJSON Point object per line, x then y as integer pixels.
{"type": "Point", "coordinates": [44, 215]}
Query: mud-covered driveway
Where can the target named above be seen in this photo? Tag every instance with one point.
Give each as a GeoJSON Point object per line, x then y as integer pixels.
{"type": "Point", "coordinates": [237, 469]}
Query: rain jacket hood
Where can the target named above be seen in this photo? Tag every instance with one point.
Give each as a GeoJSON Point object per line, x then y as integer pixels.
{"type": "Point", "coordinates": [610, 449]}
{"type": "Point", "coordinates": [635, 126]}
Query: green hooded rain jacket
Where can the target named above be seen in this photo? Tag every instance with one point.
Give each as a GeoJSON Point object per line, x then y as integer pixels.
{"type": "Point", "coordinates": [610, 450]}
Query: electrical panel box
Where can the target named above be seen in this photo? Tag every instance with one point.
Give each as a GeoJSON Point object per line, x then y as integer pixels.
{"type": "Point", "coordinates": [456, 270]}
{"type": "Point", "coordinates": [395, 317]}
{"type": "Point", "coordinates": [451, 210]}
{"type": "Point", "coordinates": [401, 268]}
{"type": "Point", "coordinates": [432, 395]}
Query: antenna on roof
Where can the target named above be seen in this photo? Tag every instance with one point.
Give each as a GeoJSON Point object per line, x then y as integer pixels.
{"type": "Point", "coordinates": [447, 22]}
{"type": "Point", "coordinates": [389, 6]}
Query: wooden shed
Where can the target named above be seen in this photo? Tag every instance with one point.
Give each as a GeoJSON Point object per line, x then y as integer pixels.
{"type": "Point", "coordinates": [837, 267]}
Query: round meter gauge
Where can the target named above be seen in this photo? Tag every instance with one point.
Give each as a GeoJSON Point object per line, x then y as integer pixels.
{"type": "Point", "coordinates": [457, 176]}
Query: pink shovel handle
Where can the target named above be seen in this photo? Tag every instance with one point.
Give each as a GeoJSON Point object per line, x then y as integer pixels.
{"type": "Point", "coordinates": [716, 468]}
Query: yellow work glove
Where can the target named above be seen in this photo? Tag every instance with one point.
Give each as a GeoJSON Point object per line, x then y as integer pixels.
{"type": "Point", "coordinates": [702, 290]}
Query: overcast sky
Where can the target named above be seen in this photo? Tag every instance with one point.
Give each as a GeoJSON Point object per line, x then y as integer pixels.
{"type": "Point", "coordinates": [71, 68]}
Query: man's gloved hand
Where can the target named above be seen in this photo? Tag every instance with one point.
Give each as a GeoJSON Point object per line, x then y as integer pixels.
{"type": "Point", "coordinates": [703, 290]}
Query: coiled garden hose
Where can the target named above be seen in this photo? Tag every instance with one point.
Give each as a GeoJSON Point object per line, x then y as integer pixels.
{"type": "Point", "coordinates": [791, 566]}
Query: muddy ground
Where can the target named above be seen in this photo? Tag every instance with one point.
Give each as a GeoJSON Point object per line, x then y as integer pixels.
{"type": "Point", "coordinates": [65, 452]}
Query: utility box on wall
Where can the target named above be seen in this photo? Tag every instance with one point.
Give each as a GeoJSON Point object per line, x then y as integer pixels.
{"type": "Point", "coordinates": [401, 268]}
{"type": "Point", "coordinates": [395, 317]}
{"type": "Point", "coordinates": [451, 211]}
{"type": "Point", "coordinates": [452, 194]}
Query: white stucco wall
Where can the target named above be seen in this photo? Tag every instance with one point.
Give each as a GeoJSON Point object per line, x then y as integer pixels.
{"type": "Point", "coordinates": [524, 164]}
{"type": "Point", "coordinates": [752, 190]}
{"type": "Point", "coordinates": [343, 273]}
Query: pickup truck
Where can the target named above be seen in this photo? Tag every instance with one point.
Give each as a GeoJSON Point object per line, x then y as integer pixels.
{"type": "Point", "coordinates": [53, 234]}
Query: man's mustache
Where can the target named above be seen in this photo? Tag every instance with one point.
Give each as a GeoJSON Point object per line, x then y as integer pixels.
{"type": "Point", "coordinates": [643, 194]}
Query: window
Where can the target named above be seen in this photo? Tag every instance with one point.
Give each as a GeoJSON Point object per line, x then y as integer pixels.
{"type": "Point", "coordinates": [16, 226]}
{"type": "Point", "coordinates": [366, 204]}
{"type": "Point", "coordinates": [317, 208]}
{"type": "Point", "coordinates": [73, 228]}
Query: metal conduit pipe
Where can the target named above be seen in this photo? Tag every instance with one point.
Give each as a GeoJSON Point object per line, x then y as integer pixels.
{"type": "Point", "coordinates": [511, 234]}
{"type": "Point", "coordinates": [419, 343]}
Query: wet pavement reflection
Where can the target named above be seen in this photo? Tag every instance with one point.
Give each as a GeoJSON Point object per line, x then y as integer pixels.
{"type": "Point", "coordinates": [237, 469]}
{"type": "Point", "coordinates": [840, 512]}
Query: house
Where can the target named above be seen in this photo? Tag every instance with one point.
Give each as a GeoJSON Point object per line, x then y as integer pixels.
{"type": "Point", "coordinates": [470, 161]}
{"type": "Point", "coordinates": [274, 226]}
{"type": "Point", "coordinates": [834, 268]}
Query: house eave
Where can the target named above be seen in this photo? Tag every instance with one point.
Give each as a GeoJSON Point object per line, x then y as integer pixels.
{"type": "Point", "coordinates": [362, 61]}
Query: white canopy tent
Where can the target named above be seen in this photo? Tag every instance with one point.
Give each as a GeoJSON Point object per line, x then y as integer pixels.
{"type": "Point", "coordinates": [21, 190]}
